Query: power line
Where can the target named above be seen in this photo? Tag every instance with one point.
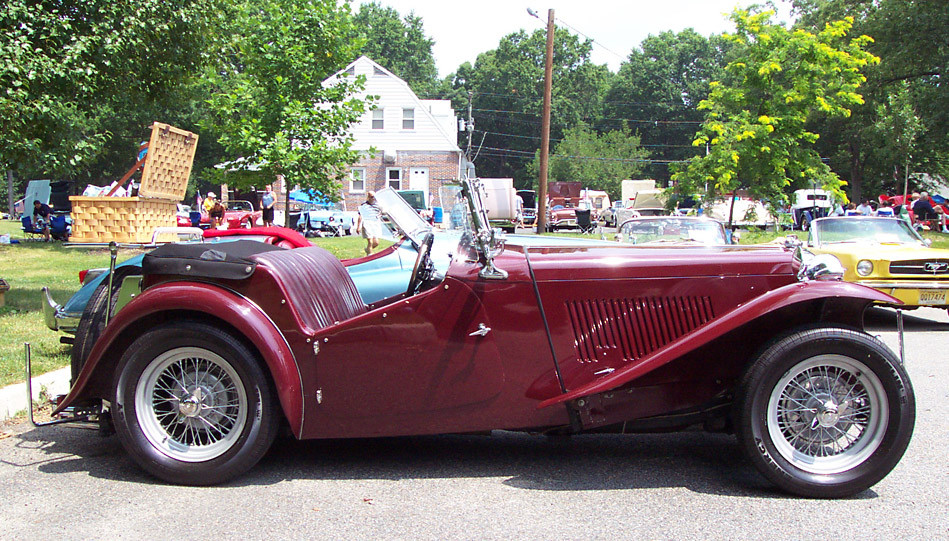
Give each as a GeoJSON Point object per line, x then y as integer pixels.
{"type": "Point", "coordinates": [631, 120]}
{"type": "Point", "coordinates": [537, 138]}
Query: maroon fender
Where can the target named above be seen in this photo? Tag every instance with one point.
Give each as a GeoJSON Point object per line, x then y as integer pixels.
{"type": "Point", "coordinates": [237, 311]}
{"type": "Point", "coordinates": [770, 301]}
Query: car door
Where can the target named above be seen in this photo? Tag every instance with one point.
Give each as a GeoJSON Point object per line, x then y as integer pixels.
{"type": "Point", "coordinates": [418, 365]}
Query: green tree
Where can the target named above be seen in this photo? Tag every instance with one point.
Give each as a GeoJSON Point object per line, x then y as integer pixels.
{"type": "Point", "coordinates": [913, 46]}
{"type": "Point", "coordinates": [400, 45]}
{"type": "Point", "coordinates": [600, 161]}
{"type": "Point", "coordinates": [79, 76]}
{"type": "Point", "coordinates": [270, 108]}
{"type": "Point", "coordinates": [658, 90]}
{"type": "Point", "coordinates": [756, 119]}
{"type": "Point", "coordinates": [507, 84]}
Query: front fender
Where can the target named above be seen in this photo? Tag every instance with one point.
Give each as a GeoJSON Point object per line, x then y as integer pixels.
{"type": "Point", "coordinates": [776, 299]}
{"type": "Point", "coordinates": [239, 312]}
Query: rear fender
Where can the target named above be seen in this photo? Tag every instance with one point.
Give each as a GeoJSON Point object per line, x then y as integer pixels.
{"type": "Point", "coordinates": [848, 301]}
{"type": "Point", "coordinates": [237, 311]}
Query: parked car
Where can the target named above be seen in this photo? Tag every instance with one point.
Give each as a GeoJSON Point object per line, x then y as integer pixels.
{"type": "Point", "coordinates": [808, 205]}
{"type": "Point", "coordinates": [560, 217]}
{"type": "Point", "coordinates": [183, 216]}
{"type": "Point", "coordinates": [326, 218]}
{"type": "Point", "coordinates": [240, 215]}
{"type": "Point", "coordinates": [221, 347]}
{"type": "Point", "coordinates": [886, 254]}
{"type": "Point", "coordinates": [673, 230]}
{"type": "Point", "coordinates": [529, 210]}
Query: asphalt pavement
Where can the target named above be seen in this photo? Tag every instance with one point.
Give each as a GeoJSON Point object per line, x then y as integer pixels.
{"type": "Point", "coordinates": [70, 483]}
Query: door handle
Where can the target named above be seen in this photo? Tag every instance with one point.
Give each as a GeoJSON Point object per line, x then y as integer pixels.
{"type": "Point", "coordinates": [482, 330]}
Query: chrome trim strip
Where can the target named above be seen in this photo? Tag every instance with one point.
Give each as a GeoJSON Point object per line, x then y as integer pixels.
{"type": "Point", "coordinates": [929, 284]}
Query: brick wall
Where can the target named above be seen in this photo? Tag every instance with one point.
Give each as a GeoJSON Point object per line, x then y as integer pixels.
{"type": "Point", "coordinates": [442, 168]}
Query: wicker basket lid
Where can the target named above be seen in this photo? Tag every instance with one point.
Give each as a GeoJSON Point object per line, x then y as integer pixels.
{"type": "Point", "coordinates": [168, 163]}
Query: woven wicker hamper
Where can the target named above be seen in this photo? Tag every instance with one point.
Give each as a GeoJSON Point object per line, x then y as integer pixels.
{"type": "Point", "coordinates": [134, 219]}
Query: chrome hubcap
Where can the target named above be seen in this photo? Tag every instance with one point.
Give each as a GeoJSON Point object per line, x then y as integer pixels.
{"type": "Point", "coordinates": [191, 404]}
{"type": "Point", "coordinates": [827, 414]}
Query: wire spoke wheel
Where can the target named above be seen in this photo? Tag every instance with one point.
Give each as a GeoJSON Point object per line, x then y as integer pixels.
{"type": "Point", "coordinates": [191, 404]}
{"type": "Point", "coordinates": [827, 414]}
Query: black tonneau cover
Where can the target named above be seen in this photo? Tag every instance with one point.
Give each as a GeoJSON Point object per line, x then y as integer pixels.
{"type": "Point", "coordinates": [224, 260]}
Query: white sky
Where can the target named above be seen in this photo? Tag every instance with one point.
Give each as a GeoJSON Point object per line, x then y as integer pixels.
{"type": "Point", "coordinates": [461, 31]}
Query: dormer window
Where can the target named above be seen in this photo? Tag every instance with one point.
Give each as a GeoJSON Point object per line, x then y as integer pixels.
{"type": "Point", "coordinates": [408, 119]}
{"type": "Point", "coordinates": [351, 70]}
{"type": "Point", "coordinates": [378, 72]}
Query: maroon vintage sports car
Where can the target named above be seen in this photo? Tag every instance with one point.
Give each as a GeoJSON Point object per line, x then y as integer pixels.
{"type": "Point", "coordinates": [223, 345]}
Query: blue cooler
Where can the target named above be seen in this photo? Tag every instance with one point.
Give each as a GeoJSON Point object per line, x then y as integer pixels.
{"type": "Point", "coordinates": [437, 214]}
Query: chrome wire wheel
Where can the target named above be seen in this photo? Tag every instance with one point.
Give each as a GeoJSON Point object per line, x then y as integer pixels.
{"type": "Point", "coordinates": [191, 404]}
{"type": "Point", "coordinates": [827, 414]}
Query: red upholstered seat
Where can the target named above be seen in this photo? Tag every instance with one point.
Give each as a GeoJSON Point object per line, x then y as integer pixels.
{"type": "Point", "coordinates": [317, 286]}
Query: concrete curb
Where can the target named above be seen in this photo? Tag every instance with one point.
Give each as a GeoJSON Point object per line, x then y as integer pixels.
{"type": "Point", "coordinates": [13, 397]}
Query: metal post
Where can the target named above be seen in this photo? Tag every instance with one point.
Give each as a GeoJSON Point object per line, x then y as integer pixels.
{"type": "Point", "coordinates": [545, 128]}
{"type": "Point", "coordinates": [29, 395]}
{"type": "Point", "coordinates": [899, 329]}
{"type": "Point", "coordinates": [113, 252]}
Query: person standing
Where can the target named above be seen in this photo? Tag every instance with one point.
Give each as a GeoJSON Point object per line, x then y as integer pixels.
{"type": "Point", "coordinates": [267, 202]}
{"type": "Point", "coordinates": [369, 223]}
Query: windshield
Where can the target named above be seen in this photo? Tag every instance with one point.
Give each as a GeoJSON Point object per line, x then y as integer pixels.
{"type": "Point", "coordinates": [402, 216]}
{"type": "Point", "coordinates": [240, 205]}
{"type": "Point", "coordinates": [857, 229]}
{"type": "Point", "coordinates": [672, 230]}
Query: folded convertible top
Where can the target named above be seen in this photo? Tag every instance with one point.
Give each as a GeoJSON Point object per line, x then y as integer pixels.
{"type": "Point", "coordinates": [224, 260]}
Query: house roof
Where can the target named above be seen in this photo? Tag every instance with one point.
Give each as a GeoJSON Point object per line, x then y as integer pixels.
{"type": "Point", "coordinates": [376, 85]}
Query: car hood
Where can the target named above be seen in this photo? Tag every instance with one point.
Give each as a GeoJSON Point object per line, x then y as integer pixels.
{"type": "Point", "coordinates": [604, 260]}
{"type": "Point", "coordinates": [882, 255]}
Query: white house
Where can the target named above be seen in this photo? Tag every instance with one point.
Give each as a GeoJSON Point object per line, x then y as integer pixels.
{"type": "Point", "coordinates": [416, 141]}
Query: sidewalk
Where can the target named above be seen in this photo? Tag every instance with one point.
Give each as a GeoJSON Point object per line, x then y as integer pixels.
{"type": "Point", "coordinates": [13, 397]}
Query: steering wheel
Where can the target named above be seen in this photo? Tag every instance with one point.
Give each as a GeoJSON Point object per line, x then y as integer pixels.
{"type": "Point", "coordinates": [422, 270]}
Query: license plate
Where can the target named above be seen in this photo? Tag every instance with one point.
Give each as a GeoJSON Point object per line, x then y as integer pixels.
{"type": "Point", "coordinates": [932, 296]}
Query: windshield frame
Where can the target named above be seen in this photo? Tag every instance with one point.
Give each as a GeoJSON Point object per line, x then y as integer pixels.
{"type": "Point", "coordinates": [690, 223]}
{"type": "Point", "coordinates": [402, 216]}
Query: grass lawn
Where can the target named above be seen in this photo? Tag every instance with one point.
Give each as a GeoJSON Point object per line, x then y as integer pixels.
{"type": "Point", "coordinates": [29, 266]}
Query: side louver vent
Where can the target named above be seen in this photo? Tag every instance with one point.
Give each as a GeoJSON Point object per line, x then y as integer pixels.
{"type": "Point", "coordinates": [628, 329]}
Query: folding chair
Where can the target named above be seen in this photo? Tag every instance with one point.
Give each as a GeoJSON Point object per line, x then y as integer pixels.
{"type": "Point", "coordinates": [584, 222]}
{"type": "Point", "coordinates": [29, 228]}
{"type": "Point", "coordinates": [58, 228]}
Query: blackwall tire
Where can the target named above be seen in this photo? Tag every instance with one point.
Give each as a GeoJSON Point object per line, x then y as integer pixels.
{"type": "Point", "coordinates": [92, 322]}
{"type": "Point", "coordinates": [825, 412]}
{"type": "Point", "coordinates": [192, 404]}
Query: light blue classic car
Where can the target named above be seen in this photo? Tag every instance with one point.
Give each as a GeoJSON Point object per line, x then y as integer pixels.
{"type": "Point", "coordinates": [320, 219]}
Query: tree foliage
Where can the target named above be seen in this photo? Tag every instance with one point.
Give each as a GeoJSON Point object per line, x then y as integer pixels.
{"type": "Point", "coordinates": [77, 75]}
{"type": "Point", "coordinates": [658, 89]}
{"type": "Point", "coordinates": [911, 41]}
{"type": "Point", "coordinates": [270, 108]}
{"type": "Point", "coordinates": [507, 85]}
{"type": "Point", "coordinates": [599, 161]}
{"type": "Point", "coordinates": [756, 118]}
{"type": "Point", "coordinates": [400, 45]}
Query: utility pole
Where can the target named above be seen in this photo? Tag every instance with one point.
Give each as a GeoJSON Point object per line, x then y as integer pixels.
{"type": "Point", "coordinates": [545, 128]}
{"type": "Point", "coordinates": [469, 126]}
